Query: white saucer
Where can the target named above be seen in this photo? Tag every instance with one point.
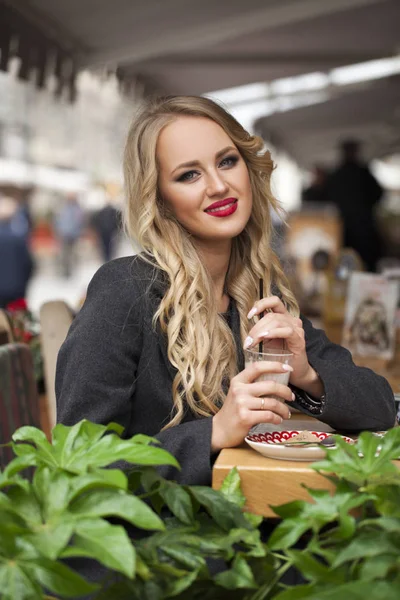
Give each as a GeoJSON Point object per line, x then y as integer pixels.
{"type": "Point", "coordinates": [269, 444]}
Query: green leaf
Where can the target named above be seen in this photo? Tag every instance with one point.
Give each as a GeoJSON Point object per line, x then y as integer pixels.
{"type": "Point", "coordinates": [298, 593]}
{"type": "Point", "coordinates": [311, 568]}
{"type": "Point", "coordinates": [59, 578]}
{"type": "Point", "coordinates": [24, 503]}
{"type": "Point", "coordinates": [15, 480]}
{"type": "Point", "coordinates": [180, 553]}
{"type": "Point", "coordinates": [368, 544]}
{"type": "Point", "coordinates": [287, 533]}
{"type": "Point", "coordinates": [345, 462]}
{"type": "Point", "coordinates": [111, 449]}
{"type": "Point", "coordinates": [390, 444]}
{"type": "Point", "coordinates": [290, 509]}
{"type": "Point", "coordinates": [81, 436]}
{"type": "Point", "coordinates": [178, 501]}
{"type": "Point", "coordinates": [368, 444]}
{"type": "Point", "coordinates": [17, 584]}
{"type": "Point", "coordinates": [225, 513]}
{"type": "Point", "coordinates": [106, 503]}
{"type": "Point", "coordinates": [11, 526]}
{"type": "Point", "coordinates": [15, 466]}
{"type": "Point", "coordinates": [109, 544]}
{"type": "Point", "coordinates": [180, 585]}
{"type": "Point", "coordinates": [387, 500]}
{"type": "Point", "coordinates": [31, 434]}
{"type": "Point", "coordinates": [378, 567]}
{"type": "Point", "coordinates": [346, 528]}
{"type": "Point", "coordinates": [27, 452]}
{"type": "Point", "coordinates": [140, 438]}
{"type": "Point", "coordinates": [248, 540]}
{"type": "Point", "coordinates": [238, 577]}
{"type": "Point", "coordinates": [254, 520]}
{"type": "Point", "coordinates": [38, 438]}
{"type": "Point", "coordinates": [232, 489]}
{"type": "Point", "coordinates": [100, 479]}
{"type": "Point", "coordinates": [52, 538]}
{"type": "Point", "coordinates": [386, 523]}
{"type": "Point", "coordinates": [51, 488]}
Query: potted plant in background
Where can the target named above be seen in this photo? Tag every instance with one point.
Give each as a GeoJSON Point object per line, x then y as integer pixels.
{"type": "Point", "coordinates": [26, 329]}
{"type": "Point", "coordinates": [74, 506]}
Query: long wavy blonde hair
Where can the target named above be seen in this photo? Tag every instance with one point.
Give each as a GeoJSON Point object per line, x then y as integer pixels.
{"type": "Point", "coordinates": [200, 344]}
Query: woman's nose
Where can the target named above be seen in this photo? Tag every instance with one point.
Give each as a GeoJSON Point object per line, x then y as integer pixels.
{"type": "Point", "coordinates": [216, 185]}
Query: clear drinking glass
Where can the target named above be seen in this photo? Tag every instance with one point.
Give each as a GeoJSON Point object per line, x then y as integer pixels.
{"type": "Point", "coordinates": [271, 354]}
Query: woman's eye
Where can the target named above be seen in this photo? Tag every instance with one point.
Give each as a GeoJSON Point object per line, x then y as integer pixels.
{"type": "Point", "coordinates": [188, 176]}
{"type": "Point", "coordinates": [229, 161]}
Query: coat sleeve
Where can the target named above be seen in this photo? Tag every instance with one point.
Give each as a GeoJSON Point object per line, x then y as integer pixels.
{"type": "Point", "coordinates": [97, 367]}
{"type": "Point", "coordinates": [356, 398]}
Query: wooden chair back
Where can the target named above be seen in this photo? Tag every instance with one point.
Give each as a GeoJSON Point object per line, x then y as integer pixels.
{"type": "Point", "coordinates": [6, 334]}
{"type": "Point", "coordinates": [19, 403]}
{"type": "Point", "coordinates": [55, 320]}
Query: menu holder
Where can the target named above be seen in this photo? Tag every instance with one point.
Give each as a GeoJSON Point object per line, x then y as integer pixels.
{"type": "Point", "coordinates": [369, 329]}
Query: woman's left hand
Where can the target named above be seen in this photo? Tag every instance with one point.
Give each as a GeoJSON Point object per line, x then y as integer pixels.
{"type": "Point", "coordinates": [278, 323]}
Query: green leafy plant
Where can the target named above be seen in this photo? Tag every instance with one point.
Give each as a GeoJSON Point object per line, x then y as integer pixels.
{"type": "Point", "coordinates": [352, 547]}
{"type": "Point", "coordinates": [157, 539]}
{"type": "Point", "coordinates": [26, 329]}
{"type": "Point", "coordinates": [76, 507]}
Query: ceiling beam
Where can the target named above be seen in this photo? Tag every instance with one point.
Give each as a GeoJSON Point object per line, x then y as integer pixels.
{"type": "Point", "coordinates": [229, 26]}
{"type": "Point", "coordinates": [217, 60]}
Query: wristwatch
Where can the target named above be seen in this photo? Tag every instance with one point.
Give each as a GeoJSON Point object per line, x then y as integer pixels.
{"type": "Point", "coordinates": [313, 405]}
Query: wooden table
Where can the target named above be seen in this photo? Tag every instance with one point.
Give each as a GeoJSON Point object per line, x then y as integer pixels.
{"type": "Point", "coordinates": [268, 481]}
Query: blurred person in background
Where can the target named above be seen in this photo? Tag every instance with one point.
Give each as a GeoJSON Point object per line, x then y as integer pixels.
{"type": "Point", "coordinates": [356, 192]}
{"type": "Point", "coordinates": [318, 189]}
{"type": "Point", "coordinates": [16, 264]}
{"type": "Point", "coordinates": [106, 223]}
{"type": "Point", "coordinates": [68, 225]}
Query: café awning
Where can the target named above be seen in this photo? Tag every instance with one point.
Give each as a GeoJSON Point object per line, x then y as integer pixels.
{"type": "Point", "coordinates": [192, 47]}
{"type": "Point", "coordinates": [368, 111]}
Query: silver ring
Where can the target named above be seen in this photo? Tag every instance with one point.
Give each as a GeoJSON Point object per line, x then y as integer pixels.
{"type": "Point", "coordinates": [262, 403]}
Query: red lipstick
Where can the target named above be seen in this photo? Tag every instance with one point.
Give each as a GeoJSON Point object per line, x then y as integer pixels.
{"type": "Point", "coordinates": [222, 208]}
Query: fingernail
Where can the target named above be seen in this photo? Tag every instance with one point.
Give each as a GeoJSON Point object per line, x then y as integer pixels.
{"type": "Point", "coordinates": [248, 342]}
{"type": "Point", "coordinates": [252, 312]}
{"type": "Point", "coordinates": [289, 415]}
{"type": "Point", "coordinates": [264, 334]}
{"type": "Point", "coordinates": [287, 368]}
{"type": "Point", "coordinates": [293, 396]}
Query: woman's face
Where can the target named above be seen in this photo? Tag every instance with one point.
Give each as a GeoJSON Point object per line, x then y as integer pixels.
{"type": "Point", "coordinates": [203, 179]}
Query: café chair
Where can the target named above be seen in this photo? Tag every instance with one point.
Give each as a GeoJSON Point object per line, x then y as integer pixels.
{"type": "Point", "coordinates": [55, 319]}
{"type": "Point", "coordinates": [19, 403]}
{"type": "Point", "coordinates": [6, 334]}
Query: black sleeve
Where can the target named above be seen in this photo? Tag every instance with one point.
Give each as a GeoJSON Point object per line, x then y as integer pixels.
{"type": "Point", "coordinates": [374, 190]}
{"type": "Point", "coordinates": [97, 363]}
{"type": "Point", "coordinates": [97, 368]}
{"type": "Point", "coordinates": [355, 397]}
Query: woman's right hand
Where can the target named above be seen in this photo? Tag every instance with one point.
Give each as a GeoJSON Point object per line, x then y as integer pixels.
{"type": "Point", "coordinates": [249, 402]}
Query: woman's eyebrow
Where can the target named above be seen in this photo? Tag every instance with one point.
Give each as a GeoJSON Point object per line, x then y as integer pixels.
{"type": "Point", "coordinates": [195, 163]}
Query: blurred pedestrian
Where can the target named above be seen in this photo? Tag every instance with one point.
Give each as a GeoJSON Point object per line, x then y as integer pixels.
{"type": "Point", "coordinates": [318, 190]}
{"type": "Point", "coordinates": [106, 223]}
{"type": "Point", "coordinates": [356, 192]}
{"type": "Point", "coordinates": [16, 264]}
{"type": "Point", "coordinates": [68, 224]}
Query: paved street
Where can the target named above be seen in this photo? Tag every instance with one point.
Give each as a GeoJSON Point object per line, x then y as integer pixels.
{"type": "Point", "coordinates": [48, 283]}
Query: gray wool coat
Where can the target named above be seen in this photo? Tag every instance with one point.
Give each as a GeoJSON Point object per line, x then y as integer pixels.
{"type": "Point", "coordinates": [113, 366]}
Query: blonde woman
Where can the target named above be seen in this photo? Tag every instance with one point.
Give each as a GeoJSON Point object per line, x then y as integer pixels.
{"type": "Point", "coordinates": [158, 344]}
